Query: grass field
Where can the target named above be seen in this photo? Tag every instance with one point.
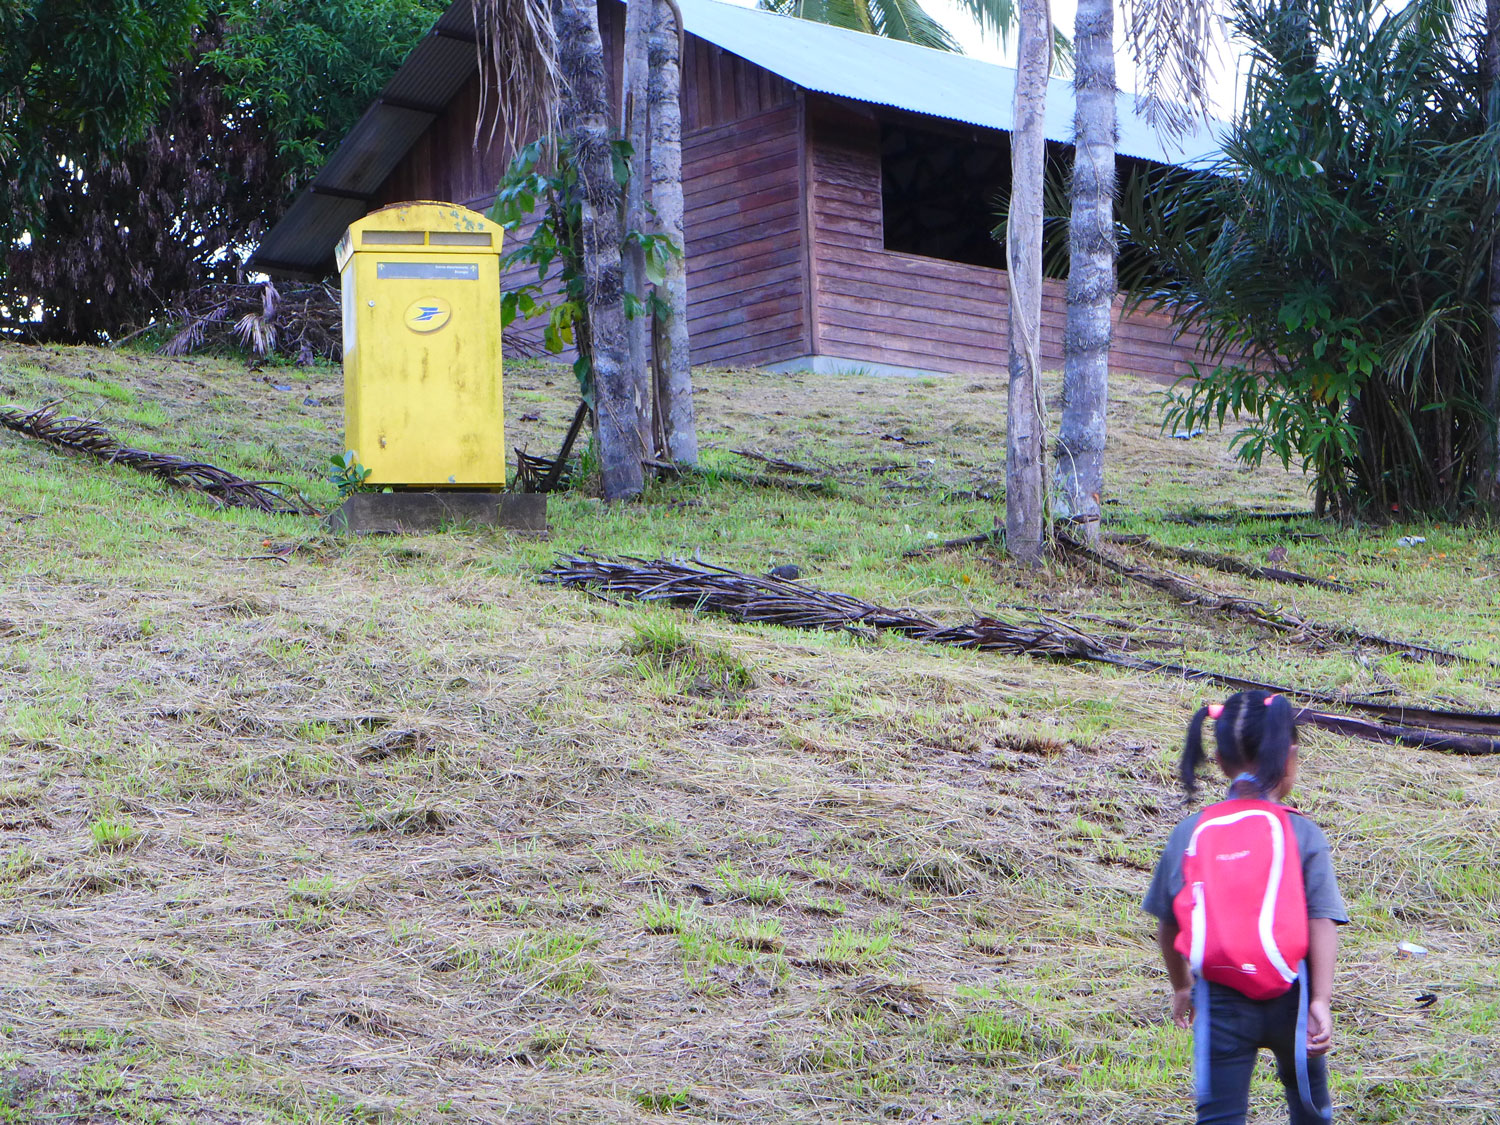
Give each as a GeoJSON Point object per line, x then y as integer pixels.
{"type": "Point", "coordinates": [300, 829]}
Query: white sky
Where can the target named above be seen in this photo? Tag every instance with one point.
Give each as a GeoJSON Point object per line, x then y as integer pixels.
{"type": "Point", "coordinates": [1223, 84]}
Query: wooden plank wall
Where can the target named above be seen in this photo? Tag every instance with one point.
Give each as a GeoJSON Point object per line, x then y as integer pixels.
{"type": "Point", "coordinates": [747, 297]}
{"type": "Point", "coordinates": [875, 305]}
{"type": "Point", "coordinates": [445, 163]}
{"type": "Point", "coordinates": [742, 180]}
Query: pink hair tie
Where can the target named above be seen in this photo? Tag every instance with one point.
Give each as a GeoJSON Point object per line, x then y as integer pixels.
{"type": "Point", "coordinates": [1269, 698]}
{"type": "Point", "coordinates": [1215, 710]}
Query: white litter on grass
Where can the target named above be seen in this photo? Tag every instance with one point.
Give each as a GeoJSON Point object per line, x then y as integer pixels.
{"type": "Point", "coordinates": [1410, 949]}
{"type": "Point", "coordinates": [1410, 540]}
{"type": "Point", "coordinates": [1188, 435]}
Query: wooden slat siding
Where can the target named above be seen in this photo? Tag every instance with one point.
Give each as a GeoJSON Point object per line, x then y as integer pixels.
{"type": "Point", "coordinates": [876, 305]}
{"type": "Point", "coordinates": [720, 88]}
{"type": "Point", "coordinates": [445, 163]}
{"type": "Point", "coordinates": [808, 345]}
{"type": "Point", "coordinates": [745, 255]}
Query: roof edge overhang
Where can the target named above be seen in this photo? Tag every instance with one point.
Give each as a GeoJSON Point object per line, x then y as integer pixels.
{"type": "Point", "coordinates": [301, 243]}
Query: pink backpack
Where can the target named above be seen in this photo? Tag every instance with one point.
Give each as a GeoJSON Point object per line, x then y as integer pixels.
{"type": "Point", "coordinates": [1242, 910]}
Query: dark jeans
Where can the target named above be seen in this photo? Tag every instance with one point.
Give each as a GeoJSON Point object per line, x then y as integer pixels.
{"type": "Point", "coordinates": [1239, 1027]}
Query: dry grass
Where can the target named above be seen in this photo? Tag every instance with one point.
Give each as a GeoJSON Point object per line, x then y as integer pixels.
{"type": "Point", "coordinates": [388, 832]}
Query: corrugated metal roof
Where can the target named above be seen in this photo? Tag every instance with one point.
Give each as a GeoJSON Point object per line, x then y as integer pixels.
{"type": "Point", "coordinates": [814, 56]}
{"type": "Point", "coordinates": [868, 68]}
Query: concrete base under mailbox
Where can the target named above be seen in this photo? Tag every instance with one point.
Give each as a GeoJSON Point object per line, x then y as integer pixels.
{"type": "Point", "coordinates": [396, 512]}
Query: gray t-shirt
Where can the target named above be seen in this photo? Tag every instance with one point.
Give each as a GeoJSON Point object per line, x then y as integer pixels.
{"type": "Point", "coordinates": [1323, 898]}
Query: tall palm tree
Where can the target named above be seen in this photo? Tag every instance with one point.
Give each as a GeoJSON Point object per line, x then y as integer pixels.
{"type": "Point", "coordinates": [674, 373]}
{"type": "Point", "coordinates": [585, 121]}
{"type": "Point", "coordinates": [635, 129]}
{"type": "Point", "coordinates": [545, 67]}
{"type": "Point", "coordinates": [1079, 455]}
{"type": "Point", "coordinates": [1024, 499]}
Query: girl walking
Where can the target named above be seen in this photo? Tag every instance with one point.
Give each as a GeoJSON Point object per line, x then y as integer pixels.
{"type": "Point", "coordinates": [1247, 913]}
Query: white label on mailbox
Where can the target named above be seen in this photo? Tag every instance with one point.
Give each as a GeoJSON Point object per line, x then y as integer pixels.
{"type": "Point", "coordinates": [426, 271]}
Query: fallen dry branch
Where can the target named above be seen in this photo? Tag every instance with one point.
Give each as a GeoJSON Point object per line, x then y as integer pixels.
{"type": "Point", "coordinates": [994, 535]}
{"type": "Point", "coordinates": [1226, 563]}
{"type": "Point", "coordinates": [1188, 592]}
{"type": "Point", "coordinates": [80, 435]}
{"type": "Point", "coordinates": [551, 474]}
{"type": "Point", "coordinates": [781, 465]}
{"type": "Point", "coordinates": [762, 599]}
{"type": "Point", "coordinates": [1244, 515]}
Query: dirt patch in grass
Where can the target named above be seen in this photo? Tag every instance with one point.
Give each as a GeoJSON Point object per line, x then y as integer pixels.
{"type": "Point", "coordinates": [386, 831]}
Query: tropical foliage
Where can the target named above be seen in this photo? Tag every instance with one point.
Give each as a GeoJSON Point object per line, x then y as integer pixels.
{"type": "Point", "coordinates": [1335, 257]}
{"type": "Point", "coordinates": [118, 211]}
{"type": "Point", "coordinates": [909, 22]}
{"type": "Point", "coordinates": [905, 20]}
{"type": "Point", "coordinates": [541, 183]}
{"type": "Point", "coordinates": [75, 78]}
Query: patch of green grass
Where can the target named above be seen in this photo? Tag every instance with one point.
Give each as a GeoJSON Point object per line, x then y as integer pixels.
{"type": "Point", "coordinates": [658, 916]}
{"type": "Point", "coordinates": [663, 1101]}
{"type": "Point", "coordinates": [675, 663]}
{"type": "Point", "coordinates": [850, 950]}
{"type": "Point", "coordinates": [103, 388]}
{"type": "Point", "coordinates": [764, 890]}
{"type": "Point", "coordinates": [113, 833]}
{"type": "Point", "coordinates": [632, 862]}
{"type": "Point", "coordinates": [557, 962]}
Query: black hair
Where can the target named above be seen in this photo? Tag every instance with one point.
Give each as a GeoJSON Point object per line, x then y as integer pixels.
{"type": "Point", "coordinates": [1254, 732]}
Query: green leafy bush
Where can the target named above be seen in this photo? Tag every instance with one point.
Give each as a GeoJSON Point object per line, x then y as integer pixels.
{"type": "Point", "coordinates": [1334, 257]}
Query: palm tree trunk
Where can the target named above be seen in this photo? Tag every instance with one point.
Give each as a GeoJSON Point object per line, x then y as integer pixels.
{"type": "Point", "coordinates": [1079, 455]}
{"type": "Point", "coordinates": [674, 372]}
{"type": "Point", "coordinates": [1023, 255]}
{"type": "Point", "coordinates": [635, 128]}
{"type": "Point", "coordinates": [585, 121]}
{"type": "Point", "coordinates": [1489, 453]}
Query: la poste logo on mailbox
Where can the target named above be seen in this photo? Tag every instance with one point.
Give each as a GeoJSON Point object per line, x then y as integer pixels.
{"type": "Point", "coordinates": [428, 314]}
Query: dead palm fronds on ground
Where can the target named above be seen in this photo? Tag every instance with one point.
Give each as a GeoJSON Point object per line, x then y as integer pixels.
{"type": "Point", "coordinates": [767, 600]}
{"type": "Point", "coordinates": [1228, 564]}
{"type": "Point", "coordinates": [1188, 592]}
{"type": "Point", "coordinates": [301, 322]}
{"type": "Point", "coordinates": [80, 435]}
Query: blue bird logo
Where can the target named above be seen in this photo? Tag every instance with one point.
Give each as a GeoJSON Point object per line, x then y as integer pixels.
{"type": "Point", "coordinates": [428, 314]}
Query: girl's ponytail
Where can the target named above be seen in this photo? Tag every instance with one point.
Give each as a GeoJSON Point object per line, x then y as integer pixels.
{"type": "Point", "coordinates": [1192, 752]}
{"type": "Point", "coordinates": [1277, 734]}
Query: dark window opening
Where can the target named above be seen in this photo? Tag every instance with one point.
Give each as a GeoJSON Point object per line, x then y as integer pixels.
{"type": "Point", "coordinates": [938, 194]}
{"type": "Point", "coordinates": [944, 195]}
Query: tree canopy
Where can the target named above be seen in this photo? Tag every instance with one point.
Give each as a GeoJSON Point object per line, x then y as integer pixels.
{"type": "Point", "coordinates": [127, 192]}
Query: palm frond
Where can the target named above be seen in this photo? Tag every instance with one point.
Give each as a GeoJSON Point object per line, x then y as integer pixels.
{"type": "Point", "coordinates": [903, 20]}
{"type": "Point", "coordinates": [1173, 43]}
{"type": "Point", "coordinates": [519, 76]}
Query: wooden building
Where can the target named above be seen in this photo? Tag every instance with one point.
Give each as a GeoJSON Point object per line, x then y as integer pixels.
{"type": "Point", "coordinates": [840, 191]}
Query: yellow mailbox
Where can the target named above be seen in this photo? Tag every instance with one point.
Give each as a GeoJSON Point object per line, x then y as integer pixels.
{"type": "Point", "coordinates": [422, 384]}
